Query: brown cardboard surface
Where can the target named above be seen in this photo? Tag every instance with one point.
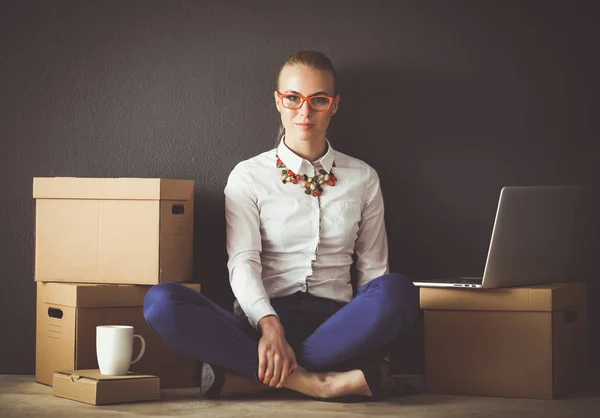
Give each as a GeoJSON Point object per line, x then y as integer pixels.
{"type": "Point", "coordinates": [91, 387]}
{"type": "Point", "coordinates": [570, 349]}
{"type": "Point", "coordinates": [66, 320]}
{"type": "Point", "coordinates": [176, 233]}
{"type": "Point", "coordinates": [87, 295]}
{"type": "Point", "coordinates": [130, 231]}
{"type": "Point", "coordinates": [112, 188]}
{"type": "Point", "coordinates": [474, 353]}
{"type": "Point", "coordinates": [521, 343]}
{"type": "Point", "coordinates": [547, 297]}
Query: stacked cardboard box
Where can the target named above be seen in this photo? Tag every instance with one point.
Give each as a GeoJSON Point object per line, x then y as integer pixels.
{"type": "Point", "coordinates": [91, 387]}
{"type": "Point", "coordinates": [524, 342]}
{"type": "Point", "coordinates": [100, 246]}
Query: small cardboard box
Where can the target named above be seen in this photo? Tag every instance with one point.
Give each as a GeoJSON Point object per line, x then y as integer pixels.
{"type": "Point", "coordinates": [66, 320]}
{"type": "Point", "coordinates": [91, 387]}
{"type": "Point", "coordinates": [113, 230]}
{"type": "Point", "coordinates": [526, 342]}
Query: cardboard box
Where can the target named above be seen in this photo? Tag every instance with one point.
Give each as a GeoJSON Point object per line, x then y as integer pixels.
{"type": "Point", "coordinates": [91, 387]}
{"type": "Point", "coordinates": [526, 342]}
{"type": "Point", "coordinates": [119, 230]}
{"type": "Point", "coordinates": [66, 320]}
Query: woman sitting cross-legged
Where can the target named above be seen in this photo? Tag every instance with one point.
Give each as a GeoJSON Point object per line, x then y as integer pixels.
{"type": "Point", "coordinates": [296, 215]}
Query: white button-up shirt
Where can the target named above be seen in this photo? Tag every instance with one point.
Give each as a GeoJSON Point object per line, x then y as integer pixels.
{"type": "Point", "coordinates": [281, 240]}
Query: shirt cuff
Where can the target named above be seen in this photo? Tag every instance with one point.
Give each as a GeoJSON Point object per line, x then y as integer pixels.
{"type": "Point", "coordinates": [260, 309]}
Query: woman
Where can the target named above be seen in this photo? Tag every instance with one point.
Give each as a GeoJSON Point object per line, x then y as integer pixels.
{"type": "Point", "coordinates": [296, 216]}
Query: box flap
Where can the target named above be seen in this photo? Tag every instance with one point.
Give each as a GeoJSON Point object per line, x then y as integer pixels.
{"type": "Point", "coordinates": [546, 297]}
{"type": "Point", "coordinates": [112, 188]}
{"type": "Point", "coordinates": [86, 295]}
{"type": "Point", "coordinates": [95, 374]}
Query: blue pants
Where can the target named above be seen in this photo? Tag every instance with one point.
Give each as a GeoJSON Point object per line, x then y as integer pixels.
{"type": "Point", "coordinates": [325, 335]}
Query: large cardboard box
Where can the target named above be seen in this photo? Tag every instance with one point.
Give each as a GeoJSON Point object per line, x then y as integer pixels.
{"type": "Point", "coordinates": [526, 342]}
{"type": "Point", "coordinates": [67, 316]}
{"type": "Point", "coordinates": [91, 387]}
{"type": "Point", "coordinates": [115, 230]}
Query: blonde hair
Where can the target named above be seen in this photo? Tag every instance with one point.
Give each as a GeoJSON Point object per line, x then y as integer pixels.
{"type": "Point", "coordinates": [309, 59]}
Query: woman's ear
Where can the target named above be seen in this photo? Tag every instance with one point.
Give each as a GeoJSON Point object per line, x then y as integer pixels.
{"type": "Point", "coordinates": [335, 105]}
{"type": "Point", "coordinates": [277, 101]}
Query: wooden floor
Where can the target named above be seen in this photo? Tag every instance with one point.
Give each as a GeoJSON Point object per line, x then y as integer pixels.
{"type": "Point", "coordinates": [20, 396]}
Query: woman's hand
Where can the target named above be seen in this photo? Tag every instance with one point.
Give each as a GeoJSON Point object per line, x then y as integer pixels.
{"type": "Point", "coordinates": [276, 359]}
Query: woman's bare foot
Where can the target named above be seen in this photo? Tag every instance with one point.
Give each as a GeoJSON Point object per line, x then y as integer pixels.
{"type": "Point", "coordinates": [329, 384]}
{"type": "Point", "coordinates": [316, 385]}
{"type": "Point", "coordinates": [345, 383]}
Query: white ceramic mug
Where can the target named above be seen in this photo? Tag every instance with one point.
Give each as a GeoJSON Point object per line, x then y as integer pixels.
{"type": "Point", "coordinates": [114, 347]}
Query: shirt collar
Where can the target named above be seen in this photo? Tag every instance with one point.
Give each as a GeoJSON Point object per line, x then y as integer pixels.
{"type": "Point", "coordinates": [296, 163]}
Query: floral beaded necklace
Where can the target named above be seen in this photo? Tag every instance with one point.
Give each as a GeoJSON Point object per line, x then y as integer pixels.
{"type": "Point", "coordinates": [312, 185]}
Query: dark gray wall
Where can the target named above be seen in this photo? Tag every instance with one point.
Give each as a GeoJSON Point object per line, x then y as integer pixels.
{"type": "Point", "coordinates": [448, 100]}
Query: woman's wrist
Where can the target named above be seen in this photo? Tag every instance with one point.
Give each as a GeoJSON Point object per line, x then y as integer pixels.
{"type": "Point", "coordinates": [270, 324]}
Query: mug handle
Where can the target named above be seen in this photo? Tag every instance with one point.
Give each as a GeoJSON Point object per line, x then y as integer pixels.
{"type": "Point", "coordinates": [142, 350]}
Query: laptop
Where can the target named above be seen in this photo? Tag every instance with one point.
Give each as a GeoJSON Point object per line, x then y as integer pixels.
{"type": "Point", "coordinates": [532, 240]}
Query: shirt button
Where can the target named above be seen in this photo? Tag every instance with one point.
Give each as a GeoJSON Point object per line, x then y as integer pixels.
{"type": "Point", "coordinates": [303, 286]}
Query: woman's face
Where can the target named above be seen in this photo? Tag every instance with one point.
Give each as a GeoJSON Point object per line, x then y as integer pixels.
{"type": "Point", "coordinates": [304, 124]}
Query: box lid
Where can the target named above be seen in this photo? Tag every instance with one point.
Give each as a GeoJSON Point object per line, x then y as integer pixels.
{"type": "Point", "coordinates": [546, 297]}
{"type": "Point", "coordinates": [85, 295]}
{"type": "Point", "coordinates": [112, 188]}
{"type": "Point", "coordinates": [96, 375]}
{"type": "Point", "coordinates": [91, 387]}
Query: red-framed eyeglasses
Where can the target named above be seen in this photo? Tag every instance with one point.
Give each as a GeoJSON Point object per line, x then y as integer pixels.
{"type": "Point", "coordinates": [319, 103]}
